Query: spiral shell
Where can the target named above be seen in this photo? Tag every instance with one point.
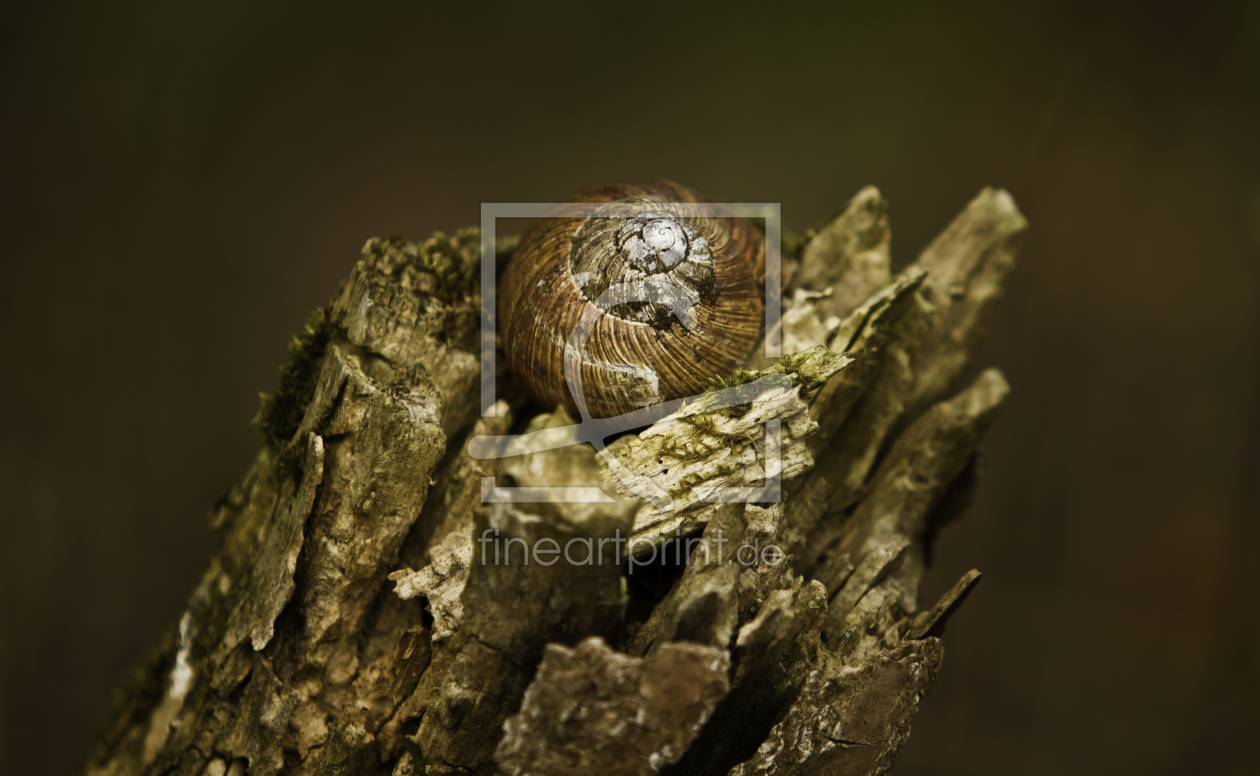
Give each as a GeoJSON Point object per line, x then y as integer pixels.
{"type": "Point", "coordinates": [643, 305]}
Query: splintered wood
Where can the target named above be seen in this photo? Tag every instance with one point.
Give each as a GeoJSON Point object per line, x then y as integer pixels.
{"type": "Point", "coordinates": [741, 598]}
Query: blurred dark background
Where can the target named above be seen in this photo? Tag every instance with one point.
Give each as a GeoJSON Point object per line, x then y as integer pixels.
{"type": "Point", "coordinates": [183, 183]}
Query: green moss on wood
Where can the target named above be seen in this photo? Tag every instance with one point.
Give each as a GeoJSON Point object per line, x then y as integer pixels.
{"type": "Point", "coordinates": [446, 268]}
{"type": "Point", "coordinates": [740, 377]}
{"type": "Point", "coordinates": [282, 410]}
{"type": "Point", "coordinates": [808, 369]}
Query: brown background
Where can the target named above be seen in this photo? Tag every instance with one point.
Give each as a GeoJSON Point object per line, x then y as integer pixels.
{"type": "Point", "coordinates": [182, 186]}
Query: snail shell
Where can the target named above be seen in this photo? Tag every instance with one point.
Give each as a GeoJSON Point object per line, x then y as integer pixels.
{"type": "Point", "coordinates": [635, 308]}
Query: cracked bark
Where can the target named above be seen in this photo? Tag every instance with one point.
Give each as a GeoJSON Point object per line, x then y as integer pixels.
{"type": "Point", "coordinates": [352, 622]}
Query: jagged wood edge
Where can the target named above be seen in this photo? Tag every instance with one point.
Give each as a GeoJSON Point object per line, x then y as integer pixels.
{"type": "Point", "coordinates": [345, 654]}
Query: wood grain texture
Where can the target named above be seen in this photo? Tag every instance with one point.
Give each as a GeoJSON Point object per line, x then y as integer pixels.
{"type": "Point", "coordinates": [354, 621]}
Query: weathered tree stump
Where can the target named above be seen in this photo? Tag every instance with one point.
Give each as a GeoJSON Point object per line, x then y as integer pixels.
{"type": "Point", "coordinates": [350, 622]}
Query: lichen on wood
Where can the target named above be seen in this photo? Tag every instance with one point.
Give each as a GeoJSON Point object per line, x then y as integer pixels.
{"type": "Point", "coordinates": [369, 612]}
{"type": "Point", "coordinates": [684, 463]}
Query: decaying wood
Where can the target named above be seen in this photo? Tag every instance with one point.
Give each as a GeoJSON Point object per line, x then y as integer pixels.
{"type": "Point", "coordinates": [687, 459]}
{"type": "Point", "coordinates": [595, 710]}
{"type": "Point", "coordinates": [368, 611]}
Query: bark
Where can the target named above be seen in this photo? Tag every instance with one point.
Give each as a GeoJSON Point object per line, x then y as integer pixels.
{"type": "Point", "coordinates": [353, 620]}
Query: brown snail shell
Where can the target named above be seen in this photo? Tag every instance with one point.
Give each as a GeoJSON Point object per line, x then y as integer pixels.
{"type": "Point", "coordinates": [645, 306]}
